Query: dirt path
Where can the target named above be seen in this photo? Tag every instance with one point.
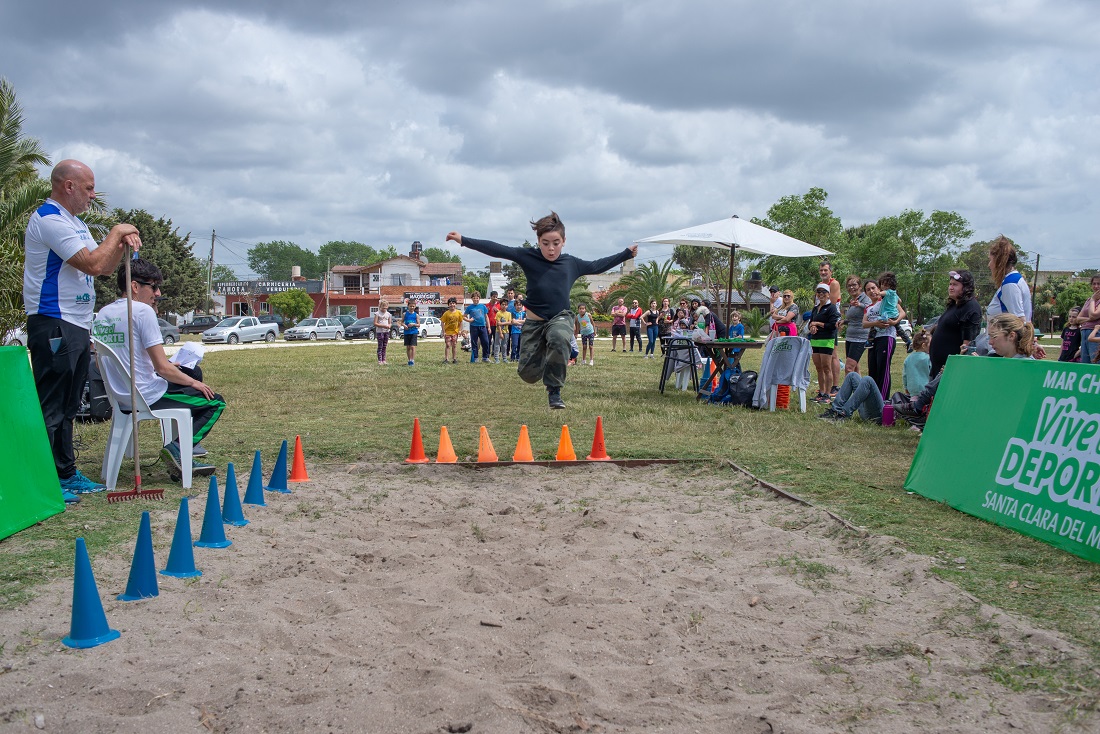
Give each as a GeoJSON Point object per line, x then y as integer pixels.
{"type": "Point", "coordinates": [427, 599]}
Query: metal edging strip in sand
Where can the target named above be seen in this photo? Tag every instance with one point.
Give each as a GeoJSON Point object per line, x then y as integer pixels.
{"type": "Point", "coordinates": [628, 463]}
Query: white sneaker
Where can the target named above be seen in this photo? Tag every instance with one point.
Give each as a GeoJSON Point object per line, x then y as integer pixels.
{"type": "Point", "coordinates": [591, 363]}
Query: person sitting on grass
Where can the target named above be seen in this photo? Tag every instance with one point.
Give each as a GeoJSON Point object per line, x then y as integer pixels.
{"type": "Point", "coordinates": [161, 383]}
{"type": "Point", "coordinates": [544, 344]}
{"type": "Point", "coordinates": [915, 371]}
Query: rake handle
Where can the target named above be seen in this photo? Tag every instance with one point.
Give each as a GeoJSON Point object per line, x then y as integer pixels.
{"type": "Point", "coordinates": [133, 385]}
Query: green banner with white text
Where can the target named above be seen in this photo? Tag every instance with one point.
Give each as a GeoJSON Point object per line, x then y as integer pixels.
{"type": "Point", "coordinates": [1017, 442]}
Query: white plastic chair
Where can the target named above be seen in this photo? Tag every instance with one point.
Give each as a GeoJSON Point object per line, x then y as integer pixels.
{"type": "Point", "coordinates": [175, 423]}
{"type": "Point", "coordinates": [785, 361]}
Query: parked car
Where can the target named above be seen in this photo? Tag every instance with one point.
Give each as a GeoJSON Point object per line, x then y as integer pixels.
{"type": "Point", "coordinates": [905, 327]}
{"type": "Point", "coordinates": [364, 329]}
{"type": "Point", "coordinates": [271, 318]}
{"type": "Point", "coordinates": [431, 326]}
{"type": "Point", "coordinates": [240, 329]}
{"type": "Point", "coordinates": [345, 319]}
{"type": "Point", "coordinates": [198, 325]}
{"type": "Point", "coordinates": [16, 338]}
{"type": "Point", "coordinates": [168, 332]}
{"type": "Point", "coordinates": [314, 329]}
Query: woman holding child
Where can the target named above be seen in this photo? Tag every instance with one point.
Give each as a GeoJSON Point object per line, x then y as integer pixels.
{"type": "Point", "coordinates": [883, 330]}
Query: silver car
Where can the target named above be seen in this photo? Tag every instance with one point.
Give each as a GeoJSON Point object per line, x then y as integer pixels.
{"type": "Point", "coordinates": [314, 329]}
{"type": "Point", "coordinates": [240, 329]}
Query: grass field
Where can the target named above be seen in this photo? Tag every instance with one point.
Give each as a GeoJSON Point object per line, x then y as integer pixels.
{"type": "Point", "coordinates": [347, 408]}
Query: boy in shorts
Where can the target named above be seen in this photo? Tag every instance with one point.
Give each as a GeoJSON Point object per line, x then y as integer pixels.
{"type": "Point", "coordinates": [544, 342]}
{"type": "Point", "coordinates": [411, 320]}
{"type": "Point", "coordinates": [452, 326]}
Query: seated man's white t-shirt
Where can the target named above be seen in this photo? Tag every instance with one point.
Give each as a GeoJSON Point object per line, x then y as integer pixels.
{"type": "Point", "coordinates": [111, 328]}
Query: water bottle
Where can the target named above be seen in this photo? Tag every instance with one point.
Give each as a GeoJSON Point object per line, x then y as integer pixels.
{"type": "Point", "coordinates": [888, 414]}
{"type": "Point", "coordinates": [710, 332]}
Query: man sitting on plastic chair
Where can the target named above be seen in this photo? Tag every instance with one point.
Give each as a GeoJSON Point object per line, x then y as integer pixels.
{"type": "Point", "coordinates": [161, 383]}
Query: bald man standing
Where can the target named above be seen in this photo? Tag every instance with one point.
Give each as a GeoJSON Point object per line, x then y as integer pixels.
{"type": "Point", "coordinates": [58, 292]}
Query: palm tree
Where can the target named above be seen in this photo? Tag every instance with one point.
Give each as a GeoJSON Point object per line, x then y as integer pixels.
{"type": "Point", "coordinates": [652, 282]}
{"type": "Point", "coordinates": [21, 191]}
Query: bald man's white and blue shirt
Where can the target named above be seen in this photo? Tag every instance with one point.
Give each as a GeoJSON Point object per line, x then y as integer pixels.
{"type": "Point", "coordinates": [52, 287]}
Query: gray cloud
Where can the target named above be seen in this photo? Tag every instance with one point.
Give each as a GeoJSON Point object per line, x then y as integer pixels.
{"type": "Point", "coordinates": [387, 122]}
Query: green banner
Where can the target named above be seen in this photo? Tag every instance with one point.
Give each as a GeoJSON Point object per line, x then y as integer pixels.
{"type": "Point", "coordinates": [1017, 442]}
{"type": "Point", "coordinates": [29, 489]}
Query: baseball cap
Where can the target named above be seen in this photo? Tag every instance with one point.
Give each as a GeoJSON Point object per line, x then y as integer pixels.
{"type": "Point", "coordinates": [821, 287]}
{"type": "Point", "coordinates": [773, 289]}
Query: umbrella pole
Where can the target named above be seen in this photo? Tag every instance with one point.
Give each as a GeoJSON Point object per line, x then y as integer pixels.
{"type": "Point", "coordinates": [729, 286]}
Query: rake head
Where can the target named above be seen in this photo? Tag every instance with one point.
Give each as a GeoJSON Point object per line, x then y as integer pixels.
{"type": "Point", "coordinates": [135, 493]}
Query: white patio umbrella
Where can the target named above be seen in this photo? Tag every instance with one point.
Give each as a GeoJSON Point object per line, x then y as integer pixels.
{"type": "Point", "coordinates": [735, 234]}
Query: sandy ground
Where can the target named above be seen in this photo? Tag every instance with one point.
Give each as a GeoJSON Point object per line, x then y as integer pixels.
{"type": "Point", "coordinates": [387, 598]}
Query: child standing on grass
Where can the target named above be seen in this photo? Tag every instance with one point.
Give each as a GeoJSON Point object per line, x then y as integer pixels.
{"type": "Point", "coordinates": [917, 365]}
{"type": "Point", "coordinates": [382, 323]}
{"type": "Point", "coordinates": [544, 343]}
{"type": "Point", "coordinates": [411, 321]}
{"type": "Point", "coordinates": [587, 332]}
{"type": "Point", "coordinates": [452, 326]}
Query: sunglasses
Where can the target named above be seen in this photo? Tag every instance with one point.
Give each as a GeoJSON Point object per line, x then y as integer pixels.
{"type": "Point", "coordinates": [955, 276]}
{"type": "Point", "coordinates": [154, 286]}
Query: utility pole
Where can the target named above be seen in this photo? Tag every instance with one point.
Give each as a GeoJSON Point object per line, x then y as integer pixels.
{"type": "Point", "coordinates": [328, 280]}
{"type": "Point", "coordinates": [1036, 287]}
{"type": "Point", "coordinates": [210, 277]}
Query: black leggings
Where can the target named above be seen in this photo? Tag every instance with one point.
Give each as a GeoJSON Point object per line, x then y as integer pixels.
{"type": "Point", "coordinates": [879, 354]}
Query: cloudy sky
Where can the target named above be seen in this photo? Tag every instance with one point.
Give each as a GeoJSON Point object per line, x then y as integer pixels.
{"type": "Point", "coordinates": [387, 122]}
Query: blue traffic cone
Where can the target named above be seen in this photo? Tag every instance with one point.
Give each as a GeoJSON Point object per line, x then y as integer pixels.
{"type": "Point", "coordinates": [278, 474]}
{"type": "Point", "coordinates": [89, 624]}
{"type": "Point", "coordinates": [143, 573]}
{"type": "Point", "coordinates": [213, 529]}
{"type": "Point", "coordinates": [181, 559]}
{"type": "Point", "coordinates": [706, 373]}
{"type": "Point", "coordinates": [254, 492]}
{"type": "Point", "coordinates": [232, 513]}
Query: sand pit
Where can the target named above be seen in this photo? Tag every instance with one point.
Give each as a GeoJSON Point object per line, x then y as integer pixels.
{"type": "Point", "coordinates": [388, 598]}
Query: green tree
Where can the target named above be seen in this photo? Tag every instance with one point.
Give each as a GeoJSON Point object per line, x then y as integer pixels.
{"type": "Point", "coordinates": [21, 191]}
{"type": "Point", "coordinates": [275, 260]}
{"type": "Point", "coordinates": [184, 285]}
{"type": "Point", "coordinates": [294, 304]}
{"type": "Point", "coordinates": [439, 255]}
{"type": "Point", "coordinates": [1074, 294]}
{"type": "Point", "coordinates": [475, 281]}
{"type": "Point", "coordinates": [339, 252]}
{"type": "Point", "coordinates": [652, 282]}
{"type": "Point", "coordinates": [222, 272]}
{"type": "Point", "coordinates": [919, 250]}
{"type": "Point", "coordinates": [805, 218]}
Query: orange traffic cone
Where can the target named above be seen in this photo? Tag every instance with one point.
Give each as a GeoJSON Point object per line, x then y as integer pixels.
{"type": "Point", "coordinates": [599, 451]}
{"type": "Point", "coordinates": [523, 447]}
{"type": "Point", "coordinates": [485, 451]}
{"type": "Point", "coordinates": [416, 451]}
{"type": "Point", "coordinates": [298, 470]}
{"type": "Point", "coordinates": [565, 446]}
{"type": "Point", "coordinates": [446, 453]}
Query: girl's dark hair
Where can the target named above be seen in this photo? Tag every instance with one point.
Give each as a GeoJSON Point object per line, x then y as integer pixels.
{"type": "Point", "coordinates": [550, 223]}
{"type": "Point", "coordinates": [888, 281]}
